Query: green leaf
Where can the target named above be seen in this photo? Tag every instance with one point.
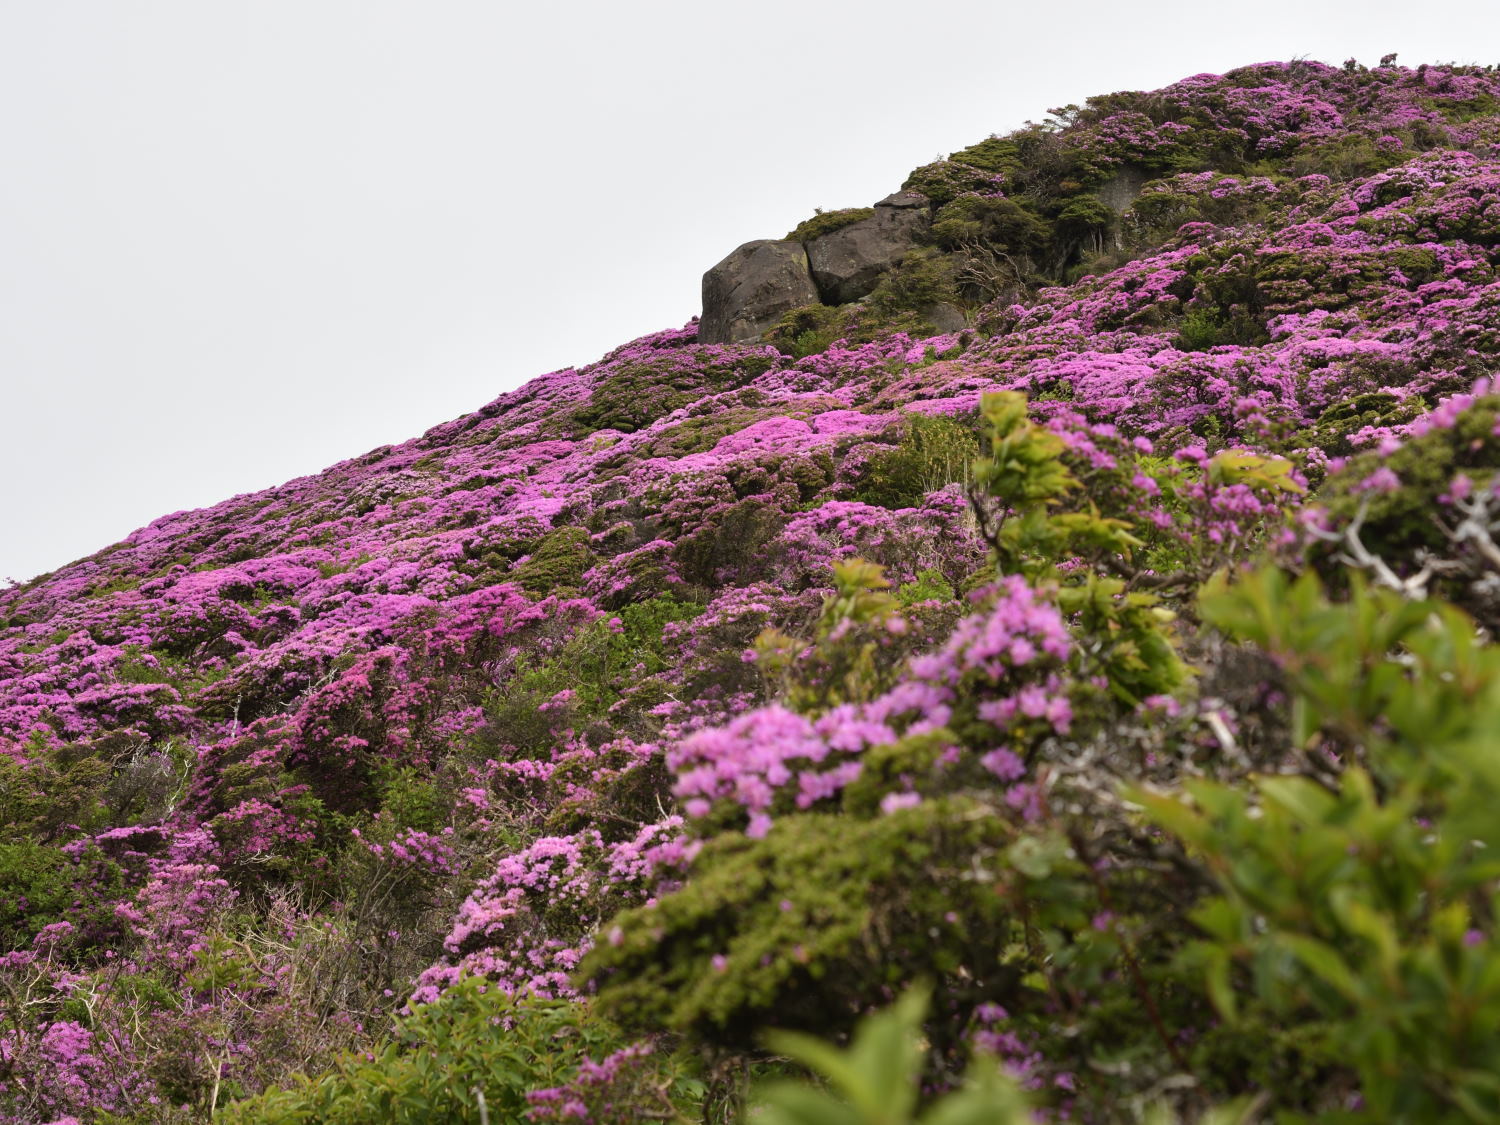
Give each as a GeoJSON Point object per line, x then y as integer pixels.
{"type": "Point", "coordinates": [790, 1103]}
{"type": "Point", "coordinates": [1220, 987]}
{"type": "Point", "coordinates": [1306, 800]}
{"type": "Point", "coordinates": [1172, 813]}
{"type": "Point", "coordinates": [1324, 962]}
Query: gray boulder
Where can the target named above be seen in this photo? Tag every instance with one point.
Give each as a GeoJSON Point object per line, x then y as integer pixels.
{"type": "Point", "coordinates": [945, 317]}
{"type": "Point", "coordinates": [752, 288]}
{"type": "Point", "coordinates": [904, 199]}
{"type": "Point", "coordinates": [847, 263]}
{"type": "Point", "coordinates": [1120, 190]}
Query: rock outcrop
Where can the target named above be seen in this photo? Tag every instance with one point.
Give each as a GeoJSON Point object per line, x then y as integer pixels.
{"type": "Point", "coordinates": [847, 263]}
{"type": "Point", "coordinates": [1122, 189]}
{"type": "Point", "coordinates": [756, 284]}
{"type": "Point", "coordinates": [752, 288]}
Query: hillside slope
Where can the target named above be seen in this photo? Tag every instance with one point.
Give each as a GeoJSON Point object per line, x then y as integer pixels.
{"type": "Point", "coordinates": [271, 770]}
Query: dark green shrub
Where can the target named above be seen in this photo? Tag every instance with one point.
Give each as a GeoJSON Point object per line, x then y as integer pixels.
{"type": "Point", "coordinates": [1334, 426]}
{"type": "Point", "coordinates": [993, 220]}
{"type": "Point", "coordinates": [934, 451]}
{"type": "Point", "coordinates": [733, 540]}
{"type": "Point", "coordinates": [1084, 219]}
{"type": "Point", "coordinates": [635, 395]}
{"type": "Point", "coordinates": [1202, 329]}
{"type": "Point", "coordinates": [42, 885]}
{"type": "Point", "coordinates": [809, 329]}
{"type": "Point", "coordinates": [58, 792]}
{"type": "Point", "coordinates": [557, 564]}
{"type": "Point", "coordinates": [36, 887]}
{"type": "Point", "coordinates": [1348, 157]}
{"type": "Point", "coordinates": [806, 927]}
{"type": "Point", "coordinates": [897, 304]}
{"type": "Point", "coordinates": [993, 154]}
{"type": "Point", "coordinates": [946, 180]}
{"type": "Point", "coordinates": [470, 1057]}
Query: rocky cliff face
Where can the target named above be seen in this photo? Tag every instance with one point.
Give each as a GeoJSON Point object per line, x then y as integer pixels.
{"type": "Point", "coordinates": [757, 285]}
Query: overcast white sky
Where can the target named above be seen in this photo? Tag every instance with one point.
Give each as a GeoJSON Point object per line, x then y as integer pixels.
{"type": "Point", "coordinates": [241, 240]}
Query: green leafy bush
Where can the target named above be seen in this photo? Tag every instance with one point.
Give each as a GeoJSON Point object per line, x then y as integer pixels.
{"type": "Point", "coordinates": [877, 1080]}
{"type": "Point", "coordinates": [810, 329]}
{"type": "Point", "coordinates": [471, 1057]}
{"type": "Point", "coordinates": [36, 887]}
{"type": "Point", "coordinates": [934, 451]}
{"type": "Point", "coordinates": [556, 564]}
{"type": "Point", "coordinates": [42, 885]}
{"type": "Point", "coordinates": [993, 220]}
{"type": "Point", "coordinates": [808, 926]}
{"type": "Point", "coordinates": [1357, 890]}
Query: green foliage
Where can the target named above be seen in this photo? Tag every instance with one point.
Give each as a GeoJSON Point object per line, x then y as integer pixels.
{"type": "Point", "coordinates": [1467, 109]}
{"type": "Point", "coordinates": [1127, 633]}
{"type": "Point", "coordinates": [929, 585]}
{"type": "Point", "coordinates": [1083, 217]}
{"type": "Point", "coordinates": [810, 329]}
{"type": "Point", "coordinates": [334, 567]}
{"type": "Point", "coordinates": [1128, 638]}
{"type": "Point", "coordinates": [475, 1043]}
{"type": "Point", "coordinates": [1155, 216]}
{"type": "Point", "coordinates": [1023, 466]}
{"type": "Point", "coordinates": [810, 923]}
{"type": "Point", "coordinates": [1230, 467]}
{"type": "Point", "coordinates": [876, 1079]}
{"type": "Point", "coordinates": [1409, 678]}
{"type": "Point", "coordinates": [36, 887]}
{"type": "Point", "coordinates": [1334, 426]}
{"type": "Point", "coordinates": [897, 304]}
{"type": "Point", "coordinates": [1401, 524]}
{"type": "Point", "coordinates": [599, 666]}
{"type": "Point", "coordinates": [639, 646]}
{"type": "Point", "coordinates": [994, 154]}
{"type": "Point", "coordinates": [557, 564]}
{"type": "Point", "coordinates": [1204, 328]}
{"type": "Point", "coordinates": [934, 451]}
{"type": "Point", "coordinates": [1347, 157]}
{"type": "Point", "coordinates": [901, 302]}
{"type": "Point", "coordinates": [1025, 471]}
{"type": "Point", "coordinates": [991, 220]}
{"type": "Point", "coordinates": [1358, 898]}
{"type": "Point", "coordinates": [636, 395]}
{"type": "Point", "coordinates": [826, 222]}
{"type": "Point", "coordinates": [848, 659]}
{"type": "Point", "coordinates": [412, 797]}
{"type": "Point", "coordinates": [730, 540]}
{"type": "Point", "coordinates": [41, 885]}
{"type": "Point", "coordinates": [945, 180]}
{"type": "Point", "coordinates": [53, 792]}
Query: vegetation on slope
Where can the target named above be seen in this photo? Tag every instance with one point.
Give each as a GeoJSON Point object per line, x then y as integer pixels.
{"type": "Point", "coordinates": [1109, 688]}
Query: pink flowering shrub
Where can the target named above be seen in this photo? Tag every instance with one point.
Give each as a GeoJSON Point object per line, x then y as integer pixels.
{"type": "Point", "coordinates": [527, 925]}
{"type": "Point", "coordinates": [998, 668]}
